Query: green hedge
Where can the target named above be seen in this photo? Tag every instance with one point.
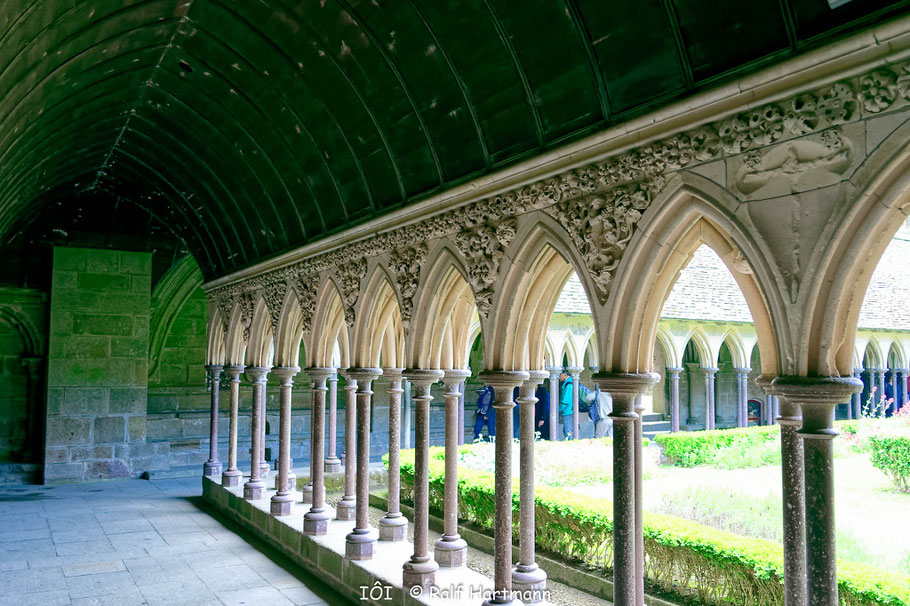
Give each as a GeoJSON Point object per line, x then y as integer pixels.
{"type": "Point", "coordinates": [891, 454]}
{"type": "Point", "coordinates": [691, 448]}
{"type": "Point", "coordinates": [682, 557]}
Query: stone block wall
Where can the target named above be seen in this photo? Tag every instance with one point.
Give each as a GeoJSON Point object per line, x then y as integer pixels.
{"type": "Point", "coordinates": [97, 375]}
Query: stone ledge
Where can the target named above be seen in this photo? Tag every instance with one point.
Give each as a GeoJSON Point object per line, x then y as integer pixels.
{"type": "Point", "coordinates": [324, 555]}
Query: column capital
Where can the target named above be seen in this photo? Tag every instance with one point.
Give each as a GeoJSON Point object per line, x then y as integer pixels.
{"type": "Point", "coordinates": [393, 374]}
{"type": "Point", "coordinates": [503, 381]}
{"type": "Point", "coordinates": [257, 374]}
{"type": "Point", "coordinates": [575, 371]}
{"type": "Point", "coordinates": [709, 369]}
{"type": "Point", "coordinates": [453, 377]}
{"type": "Point", "coordinates": [625, 383]}
{"type": "Point", "coordinates": [319, 375]}
{"type": "Point", "coordinates": [214, 369]}
{"type": "Point", "coordinates": [553, 370]}
{"type": "Point", "coordinates": [235, 370]}
{"type": "Point", "coordinates": [364, 376]}
{"type": "Point", "coordinates": [816, 398]}
{"type": "Point", "coordinates": [674, 369]}
{"type": "Point", "coordinates": [529, 387]}
{"type": "Point", "coordinates": [422, 378]}
{"type": "Point", "coordinates": [766, 383]}
{"type": "Point", "coordinates": [743, 370]}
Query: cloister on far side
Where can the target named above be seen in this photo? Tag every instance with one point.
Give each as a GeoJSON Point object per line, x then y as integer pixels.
{"type": "Point", "coordinates": [367, 186]}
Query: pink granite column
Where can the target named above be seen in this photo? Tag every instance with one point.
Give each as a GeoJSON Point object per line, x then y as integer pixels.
{"type": "Point", "coordinates": [264, 467]}
{"type": "Point", "coordinates": [254, 488]}
{"type": "Point", "coordinates": [554, 403]}
{"type": "Point", "coordinates": [527, 577]}
{"type": "Point", "coordinates": [307, 491]}
{"type": "Point", "coordinates": [212, 467]}
{"type": "Point", "coordinates": [316, 520]}
{"type": "Point", "coordinates": [673, 376]}
{"type": "Point", "coordinates": [345, 509]}
{"type": "Point", "coordinates": [461, 390]}
{"type": "Point", "coordinates": [282, 501]}
{"type": "Point", "coordinates": [639, 505]}
{"type": "Point", "coordinates": [624, 388]}
{"type": "Point", "coordinates": [420, 570]}
{"type": "Point", "coordinates": [575, 372]}
{"type": "Point", "coordinates": [709, 397]}
{"type": "Point", "coordinates": [503, 383]}
{"type": "Point", "coordinates": [742, 401]}
{"type": "Point", "coordinates": [332, 462]}
{"type": "Point", "coordinates": [393, 526]}
{"type": "Point", "coordinates": [817, 397]}
{"type": "Point", "coordinates": [232, 475]}
{"type": "Point", "coordinates": [359, 542]}
{"type": "Point", "coordinates": [451, 550]}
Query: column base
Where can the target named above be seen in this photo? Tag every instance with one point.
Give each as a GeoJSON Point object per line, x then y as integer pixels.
{"type": "Point", "coordinates": [359, 545]}
{"type": "Point", "coordinates": [254, 490]}
{"type": "Point", "coordinates": [393, 528]}
{"type": "Point", "coordinates": [211, 468]}
{"type": "Point", "coordinates": [315, 522]}
{"type": "Point", "coordinates": [451, 552]}
{"type": "Point", "coordinates": [419, 574]}
{"type": "Point", "coordinates": [281, 504]}
{"type": "Point", "coordinates": [231, 478]}
{"type": "Point", "coordinates": [308, 493]}
{"type": "Point", "coordinates": [346, 509]}
{"type": "Point", "coordinates": [333, 465]}
{"type": "Point", "coordinates": [530, 582]}
{"type": "Point", "coordinates": [264, 469]}
{"type": "Point", "coordinates": [292, 481]}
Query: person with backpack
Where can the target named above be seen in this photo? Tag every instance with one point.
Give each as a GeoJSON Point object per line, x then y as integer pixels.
{"type": "Point", "coordinates": [600, 405]}
{"type": "Point", "coordinates": [485, 414]}
{"type": "Point", "coordinates": [565, 404]}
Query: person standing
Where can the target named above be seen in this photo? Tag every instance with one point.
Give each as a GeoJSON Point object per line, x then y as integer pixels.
{"type": "Point", "coordinates": [485, 415]}
{"type": "Point", "coordinates": [603, 402]}
{"type": "Point", "coordinates": [565, 404]}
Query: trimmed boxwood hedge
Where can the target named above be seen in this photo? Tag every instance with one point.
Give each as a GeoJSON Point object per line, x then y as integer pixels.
{"type": "Point", "coordinates": [682, 557]}
{"type": "Point", "coordinates": [691, 448]}
{"type": "Point", "coordinates": [891, 454]}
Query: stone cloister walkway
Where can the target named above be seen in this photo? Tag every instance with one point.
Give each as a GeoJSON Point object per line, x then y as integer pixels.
{"type": "Point", "coordinates": [135, 542]}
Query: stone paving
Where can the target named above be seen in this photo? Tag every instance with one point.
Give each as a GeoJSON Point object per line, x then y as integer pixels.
{"type": "Point", "coordinates": [135, 542]}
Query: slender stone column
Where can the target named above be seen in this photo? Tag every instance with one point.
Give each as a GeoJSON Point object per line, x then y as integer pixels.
{"type": "Point", "coordinates": [420, 570]}
{"type": "Point", "coordinates": [901, 393]}
{"type": "Point", "coordinates": [691, 370]}
{"type": "Point", "coordinates": [625, 388]}
{"type": "Point", "coordinates": [264, 466]}
{"type": "Point", "coordinates": [212, 467]}
{"type": "Point", "coordinates": [345, 508]}
{"type": "Point", "coordinates": [881, 391]}
{"type": "Point", "coordinates": [791, 450]}
{"type": "Point", "coordinates": [406, 416]}
{"type": "Point", "coordinates": [527, 577]}
{"type": "Point", "coordinates": [554, 403]}
{"type": "Point", "coordinates": [894, 383]}
{"type": "Point", "coordinates": [450, 549]}
{"type": "Point", "coordinates": [393, 526]}
{"type": "Point", "coordinates": [673, 375]}
{"type": "Point", "coordinates": [316, 520]}
{"type": "Point", "coordinates": [282, 501]}
{"type": "Point", "coordinates": [307, 491]}
{"type": "Point", "coordinates": [332, 462]}
{"type": "Point", "coordinates": [575, 372]}
{"type": "Point", "coordinates": [255, 486]}
{"type": "Point", "coordinates": [232, 475]}
{"type": "Point", "coordinates": [742, 400]}
{"type": "Point", "coordinates": [817, 397]}
{"type": "Point", "coordinates": [461, 390]}
{"type": "Point", "coordinates": [639, 506]}
{"type": "Point", "coordinates": [503, 383]}
{"type": "Point", "coordinates": [359, 542]}
{"type": "Point", "coordinates": [856, 400]}
{"type": "Point", "coordinates": [709, 397]}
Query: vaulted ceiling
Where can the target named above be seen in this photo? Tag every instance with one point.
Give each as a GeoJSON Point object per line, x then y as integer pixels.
{"type": "Point", "coordinates": [254, 126]}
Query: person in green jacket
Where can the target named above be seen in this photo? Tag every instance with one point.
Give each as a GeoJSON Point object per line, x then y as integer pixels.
{"type": "Point", "coordinates": [565, 404]}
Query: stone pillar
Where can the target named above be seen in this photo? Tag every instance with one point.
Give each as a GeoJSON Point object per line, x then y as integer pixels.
{"type": "Point", "coordinates": [254, 488]}
{"type": "Point", "coordinates": [880, 381]}
{"type": "Point", "coordinates": [639, 505]}
{"type": "Point", "coordinates": [232, 475]}
{"type": "Point", "coordinates": [527, 577]}
{"type": "Point", "coordinates": [901, 393]}
{"type": "Point", "coordinates": [673, 375]}
{"type": "Point", "coordinates": [307, 491]}
{"type": "Point", "coordinates": [894, 391]}
{"type": "Point", "coordinates": [406, 417]}
{"type": "Point", "coordinates": [393, 526]}
{"type": "Point", "coordinates": [742, 397]}
{"type": "Point", "coordinates": [282, 501]}
{"type": "Point", "coordinates": [817, 397]}
{"type": "Point", "coordinates": [575, 372]}
{"type": "Point", "coordinates": [461, 390]}
{"type": "Point", "coordinates": [332, 462]}
{"type": "Point", "coordinates": [420, 570]}
{"type": "Point", "coordinates": [345, 508]}
{"type": "Point", "coordinates": [316, 520]}
{"type": "Point", "coordinates": [625, 388]}
{"type": "Point", "coordinates": [212, 467]}
{"type": "Point", "coordinates": [450, 549]}
{"type": "Point", "coordinates": [359, 542]}
{"type": "Point", "coordinates": [709, 397]}
{"type": "Point", "coordinates": [554, 403]}
{"type": "Point", "coordinates": [264, 466]}
{"type": "Point", "coordinates": [503, 383]}
{"type": "Point", "coordinates": [691, 369]}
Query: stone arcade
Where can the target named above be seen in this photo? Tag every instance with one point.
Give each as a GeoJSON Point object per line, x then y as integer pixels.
{"type": "Point", "coordinates": [364, 192]}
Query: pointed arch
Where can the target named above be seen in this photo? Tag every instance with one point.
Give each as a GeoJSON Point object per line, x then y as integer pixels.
{"type": "Point", "coordinates": [445, 321]}
{"type": "Point", "coordinates": [872, 355]}
{"type": "Point", "coordinates": [589, 347]}
{"type": "Point", "coordinates": [706, 356]}
{"type": "Point", "coordinates": [235, 341]}
{"type": "Point", "coordinates": [852, 247]}
{"type": "Point", "coordinates": [549, 354]}
{"type": "Point", "coordinates": [290, 331]}
{"type": "Point", "coordinates": [536, 268]}
{"type": "Point", "coordinates": [663, 339]}
{"type": "Point", "coordinates": [378, 319]}
{"type": "Point", "coordinates": [691, 211]}
{"type": "Point", "coordinates": [737, 348]}
{"type": "Point", "coordinates": [328, 343]}
{"type": "Point", "coordinates": [261, 346]}
{"type": "Point", "coordinates": [214, 336]}
{"type": "Point", "coordinates": [897, 354]}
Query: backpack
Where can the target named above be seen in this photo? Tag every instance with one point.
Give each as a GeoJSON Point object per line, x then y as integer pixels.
{"type": "Point", "coordinates": [484, 399]}
{"type": "Point", "coordinates": [582, 396]}
{"type": "Point", "coordinates": [594, 408]}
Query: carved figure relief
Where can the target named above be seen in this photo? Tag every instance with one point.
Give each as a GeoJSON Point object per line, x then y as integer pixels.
{"type": "Point", "coordinates": [483, 248]}
{"type": "Point", "coordinates": [405, 264]}
{"type": "Point", "coordinates": [349, 277]}
{"type": "Point", "coordinates": [305, 288]}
